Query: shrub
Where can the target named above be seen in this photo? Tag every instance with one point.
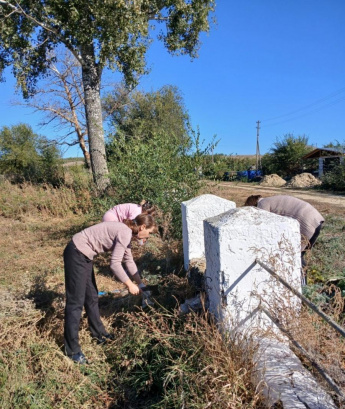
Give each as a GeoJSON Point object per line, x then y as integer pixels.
{"type": "Point", "coordinates": [285, 158]}
{"type": "Point", "coordinates": [157, 170]}
{"type": "Point", "coordinates": [334, 179]}
{"type": "Point", "coordinates": [163, 361]}
{"type": "Point", "coordinates": [26, 156]}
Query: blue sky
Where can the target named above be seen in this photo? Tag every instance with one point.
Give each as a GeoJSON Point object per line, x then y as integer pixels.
{"type": "Point", "coordinates": [280, 62]}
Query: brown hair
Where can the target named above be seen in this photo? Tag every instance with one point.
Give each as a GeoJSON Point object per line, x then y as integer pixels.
{"type": "Point", "coordinates": [147, 207]}
{"type": "Point", "coordinates": [252, 200]}
{"type": "Point", "coordinates": [139, 221]}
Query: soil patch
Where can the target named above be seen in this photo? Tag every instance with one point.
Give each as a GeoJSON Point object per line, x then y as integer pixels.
{"type": "Point", "coordinates": [304, 180]}
{"type": "Point", "coordinates": [272, 180]}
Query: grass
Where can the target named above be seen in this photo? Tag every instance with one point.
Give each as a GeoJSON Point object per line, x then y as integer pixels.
{"type": "Point", "coordinates": [158, 359]}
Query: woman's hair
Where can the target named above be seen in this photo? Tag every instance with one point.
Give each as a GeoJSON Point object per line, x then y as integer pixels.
{"type": "Point", "coordinates": [147, 207]}
{"type": "Point", "coordinates": [141, 219]}
{"type": "Point", "coordinates": [252, 200]}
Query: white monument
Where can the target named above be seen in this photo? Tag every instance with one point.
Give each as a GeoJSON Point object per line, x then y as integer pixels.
{"type": "Point", "coordinates": [194, 212]}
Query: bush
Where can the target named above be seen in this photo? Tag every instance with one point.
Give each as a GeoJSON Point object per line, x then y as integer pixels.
{"type": "Point", "coordinates": [26, 156]}
{"type": "Point", "coordinates": [163, 361]}
{"type": "Point", "coordinates": [157, 170]}
{"type": "Point", "coordinates": [334, 179]}
{"type": "Point", "coordinates": [285, 158]}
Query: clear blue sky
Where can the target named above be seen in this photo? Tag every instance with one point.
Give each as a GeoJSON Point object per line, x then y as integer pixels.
{"type": "Point", "coordinates": [264, 59]}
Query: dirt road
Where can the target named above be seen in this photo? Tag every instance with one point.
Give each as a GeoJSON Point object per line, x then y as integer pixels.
{"type": "Point", "coordinates": [238, 192]}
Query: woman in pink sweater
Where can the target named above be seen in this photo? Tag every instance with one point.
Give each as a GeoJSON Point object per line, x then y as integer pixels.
{"type": "Point", "coordinates": [81, 289]}
{"type": "Point", "coordinates": [127, 211]}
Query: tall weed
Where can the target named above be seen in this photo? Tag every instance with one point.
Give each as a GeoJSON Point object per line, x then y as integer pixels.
{"type": "Point", "coordinates": [164, 361]}
{"type": "Point", "coordinates": [27, 199]}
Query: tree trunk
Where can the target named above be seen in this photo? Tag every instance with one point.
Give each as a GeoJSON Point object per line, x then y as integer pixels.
{"type": "Point", "coordinates": [91, 81]}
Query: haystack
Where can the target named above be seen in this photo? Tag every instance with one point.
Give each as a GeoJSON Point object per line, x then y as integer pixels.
{"type": "Point", "coordinates": [272, 180]}
{"type": "Point", "coordinates": [304, 180]}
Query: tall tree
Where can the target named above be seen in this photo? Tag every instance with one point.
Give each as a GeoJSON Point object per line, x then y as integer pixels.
{"type": "Point", "coordinates": [60, 97]}
{"type": "Point", "coordinates": [99, 33]}
{"type": "Point", "coordinates": [145, 114]}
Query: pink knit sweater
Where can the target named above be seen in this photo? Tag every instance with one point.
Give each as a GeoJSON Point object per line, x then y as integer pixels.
{"type": "Point", "coordinates": [122, 211]}
{"type": "Point", "coordinates": [109, 236]}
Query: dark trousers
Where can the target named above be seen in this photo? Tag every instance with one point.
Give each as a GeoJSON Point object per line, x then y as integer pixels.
{"type": "Point", "coordinates": [309, 246]}
{"type": "Point", "coordinates": [81, 291]}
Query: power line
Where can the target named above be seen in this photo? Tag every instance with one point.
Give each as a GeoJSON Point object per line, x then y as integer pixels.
{"type": "Point", "coordinates": [307, 113]}
{"type": "Point", "coordinates": [340, 91]}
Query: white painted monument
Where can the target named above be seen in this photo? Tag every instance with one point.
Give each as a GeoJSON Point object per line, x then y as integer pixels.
{"type": "Point", "coordinates": [237, 289]}
{"type": "Point", "coordinates": [194, 211]}
{"type": "Point", "coordinates": [235, 283]}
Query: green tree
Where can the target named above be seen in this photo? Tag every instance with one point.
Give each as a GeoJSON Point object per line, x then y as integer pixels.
{"type": "Point", "coordinates": [285, 158]}
{"type": "Point", "coordinates": [18, 150]}
{"type": "Point", "coordinates": [28, 156]}
{"type": "Point", "coordinates": [99, 33]}
{"type": "Point", "coordinates": [143, 114]}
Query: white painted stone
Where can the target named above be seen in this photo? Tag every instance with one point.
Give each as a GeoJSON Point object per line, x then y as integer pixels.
{"type": "Point", "coordinates": [234, 283]}
{"type": "Point", "coordinates": [194, 211]}
{"type": "Point", "coordinates": [237, 287]}
{"type": "Point", "coordinates": [282, 377]}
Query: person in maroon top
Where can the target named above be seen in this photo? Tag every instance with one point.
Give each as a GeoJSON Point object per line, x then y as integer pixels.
{"type": "Point", "coordinates": [81, 289]}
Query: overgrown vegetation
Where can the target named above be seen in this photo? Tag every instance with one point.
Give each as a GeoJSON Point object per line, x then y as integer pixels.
{"type": "Point", "coordinates": [158, 359]}
{"type": "Point", "coordinates": [26, 156]}
{"type": "Point", "coordinates": [285, 157]}
{"type": "Point", "coordinates": [153, 153]}
{"type": "Point", "coordinates": [335, 178]}
{"type": "Point", "coordinates": [179, 363]}
{"type": "Point", "coordinates": [157, 170]}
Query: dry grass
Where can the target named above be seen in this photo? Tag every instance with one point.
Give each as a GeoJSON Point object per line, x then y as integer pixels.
{"type": "Point", "coordinates": [158, 359]}
{"type": "Point", "coordinates": [34, 373]}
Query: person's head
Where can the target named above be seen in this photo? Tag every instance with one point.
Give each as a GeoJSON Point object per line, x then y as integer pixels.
{"type": "Point", "coordinates": [142, 226]}
{"type": "Point", "coordinates": [252, 200]}
{"type": "Point", "coordinates": [147, 207]}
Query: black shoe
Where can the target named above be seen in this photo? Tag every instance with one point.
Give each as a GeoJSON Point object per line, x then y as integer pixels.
{"type": "Point", "coordinates": [103, 339]}
{"type": "Point", "coordinates": [79, 358]}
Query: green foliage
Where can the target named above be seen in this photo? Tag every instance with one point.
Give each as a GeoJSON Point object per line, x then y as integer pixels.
{"type": "Point", "coordinates": [142, 114]}
{"type": "Point", "coordinates": [335, 178]}
{"type": "Point", "coordinates": [113, 34]}
{"type": "Point", "coordinates": [150, 152]}
{"type": "Point", "coordinates": [118, 32]}
{"type": "Point", "coordinates": [327, 257]}
{"type": "Point", "coordinates": [29, 157]}
{"type": "Point", "coordinates": [157, 170]}
{"type": "Point", "coordinates": [285, 158]}
{"type": "Point", "coordinates": [214, 166]}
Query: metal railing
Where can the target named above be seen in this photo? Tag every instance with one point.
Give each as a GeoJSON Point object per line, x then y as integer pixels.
{"type": "Point", "coordinates": [324, 316]}
{"type": "Point", "coordinates": [305, 300]}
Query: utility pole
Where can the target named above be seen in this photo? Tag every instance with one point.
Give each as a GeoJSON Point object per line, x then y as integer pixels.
{"type": "Point", "coordinates": [258, 157]}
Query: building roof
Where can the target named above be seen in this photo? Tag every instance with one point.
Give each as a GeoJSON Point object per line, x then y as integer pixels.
{"type": "Point", "coordinates": [321, 152]}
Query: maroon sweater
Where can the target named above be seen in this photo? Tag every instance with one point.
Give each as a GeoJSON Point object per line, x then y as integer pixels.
{"type": "Point", "coordinates": [109, 236]}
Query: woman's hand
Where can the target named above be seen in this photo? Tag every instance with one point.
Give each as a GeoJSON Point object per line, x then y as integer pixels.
{"type": "Point", "coordinates": [133, 288]}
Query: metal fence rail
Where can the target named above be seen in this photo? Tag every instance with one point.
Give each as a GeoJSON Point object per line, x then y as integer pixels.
{"type": "Point", "coordinates": [305, 300]}
{"type": "Point", "coordinates": [324, 316]}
